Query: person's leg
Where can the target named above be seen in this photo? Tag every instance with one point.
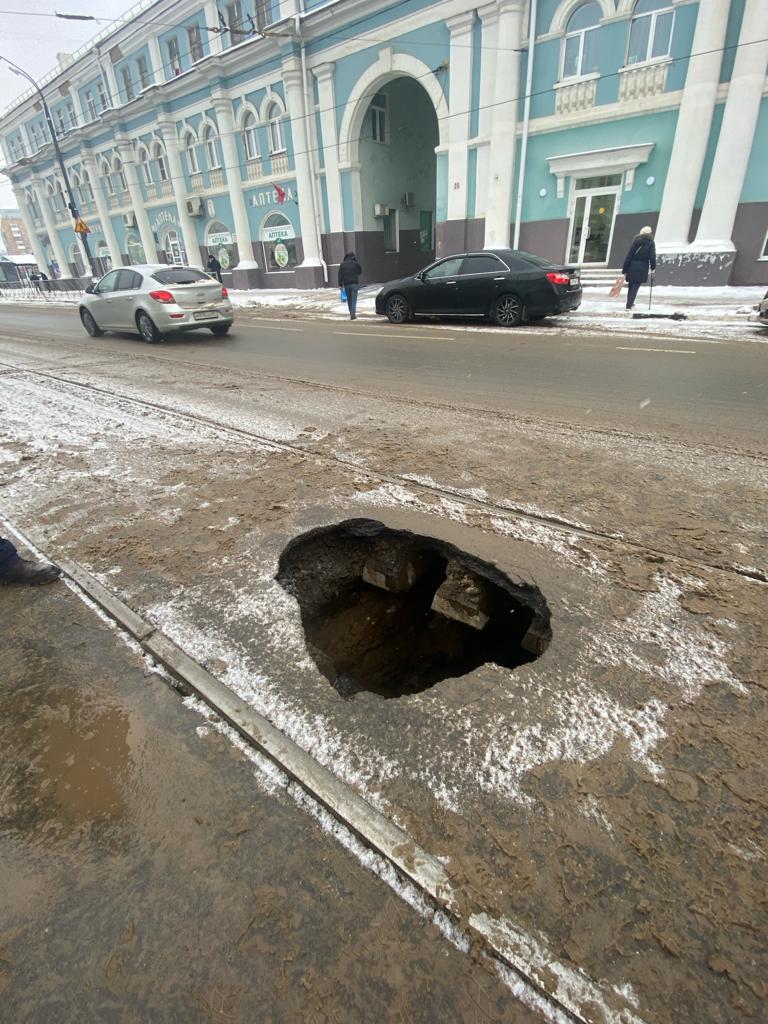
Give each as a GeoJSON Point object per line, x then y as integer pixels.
{"type": "Point", "coordinates": [352, 300]}
{"type": "Point", "coordinates": [634, 288]}
{"type": "Point", "coordinates": [14, 569]}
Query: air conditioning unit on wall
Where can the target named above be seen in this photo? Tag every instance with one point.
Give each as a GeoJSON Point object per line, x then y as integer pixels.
{"type": "Point", "coordinates": [380, 210]}
{"type": "Point", "coordinates": [195, 207]}
{"type": "Point", "coordinates": [129, 220]}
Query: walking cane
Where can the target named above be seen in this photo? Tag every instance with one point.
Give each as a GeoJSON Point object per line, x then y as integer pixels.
{"type": "Point", "coordinates": [650, 294]}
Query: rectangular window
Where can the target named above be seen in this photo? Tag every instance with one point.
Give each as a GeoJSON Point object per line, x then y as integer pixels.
{"type": "Point", "coordinates": [639, 39]}
{"type": "Point", "coordinates": [662, 36]}
{"type": "Point", "coordinates": [389, 225]}
{"type": "Point", "coordinates": [70, 115]}
{"type": "Point", "coordinates": [103, 101]}
{"type": "Point", "coordinates": [234, 17]}
{"type": "Point", "coordinates": [91, 104]}
{"type": "Point", "coordinates": [571, 58]}
{"type": "Point", "coordinates": [195, 43]}
{"type": "Point", "coordinates": [60, 122]}
{"type": "Point", "coordinates": [125, 74]}
{"type": "Point", "coordinates": [174, 57]}
{"type": "Point", "coordinates": [143, 69]}
{"type": "Point", "coordinates": [379, 126]}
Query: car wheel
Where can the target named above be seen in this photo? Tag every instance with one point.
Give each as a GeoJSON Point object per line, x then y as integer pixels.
{"type": "Point", "coordinates": [220, 330]}
{"type": "Point", "coordinates": [147, 329]}
{"type": "Point", "coordinates": [508, 311]}
{"type": "Point", "coordinates": [90, 324]}
{"type": "Point", "coordinates": [397, 309]}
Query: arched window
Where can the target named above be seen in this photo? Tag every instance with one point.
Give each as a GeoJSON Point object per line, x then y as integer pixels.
{"type": "Point", "coordinates": [211, 148]}
{"type": "Point", "coordinates": [190, 145]}
{"type": "Point", "coordinates": [162, 162]}
{"type": "Point", "coordinates": [275, 128]}
{"type": "Point", "coordinates": [122, 184]}
{"type": "Point", "coordinates": [62, 200]}
{"type": "Point", "coordinates": [580, 47]}
{"type": "Point", "coordinates": [250, 137]}
{"type": "Point", "coordinates": [106, 177]}
{"type": "Point", "coordinates": [77, 188]}
{"type": "Point", "coordinates": [651, 34]}
{"type": "Point", "coordinates": [32, 205]}
{"type": "Point", "coordinates": [86, 189]}
{"type": "Point", "coordinates": [146, 170]}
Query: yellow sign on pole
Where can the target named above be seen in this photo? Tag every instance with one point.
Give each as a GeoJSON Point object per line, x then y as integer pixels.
{"type": "Point", "coordinates": [81, 227]}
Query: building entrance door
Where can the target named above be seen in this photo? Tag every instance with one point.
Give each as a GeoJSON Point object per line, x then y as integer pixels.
{"type": "Point", "coordinates": [595, 205]}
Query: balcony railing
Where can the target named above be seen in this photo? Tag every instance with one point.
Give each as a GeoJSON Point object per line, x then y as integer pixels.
{"type": "Point", "coordinates": [254, 169]}
{"type": "Point", "coordinates": [637, 83]}
{"type": "Point", "coordinates": [216, 176]}
{"type": "Point", "coordinates": [572, 97]}
{"type": "Point", "coordinates": [197, 182]}
{"type": "Point", "coordinates": [159, 189]}
{"type": "Point", "coordinates": [117, 200]}
{"type": "Point", "coordinates": [278, 163]}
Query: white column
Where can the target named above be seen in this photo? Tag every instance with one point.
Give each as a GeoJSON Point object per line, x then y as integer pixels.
{"type": "Point", "coordinates": [294, 88]}
{"type": "Point", "coordinates": [324, 75]}
{"type": "Point", "coordinates": [102, 209]}
{"type": "Point", "coordinates": [167, 130]}
{"type": "Point", "coordinates": [498, 215]}
{"type": "Point", "coordinates": [489, 17]}
{"type": "Point", "coordinates": [223, 107]}
{"type": "Point", "coordinates": [34, 240]}
{"type": "Point", "coordinates": [737, 134]}
{"type": "Point", "coordinates": [128, 158]}
{"type": "Point", "coordinates": [59, 251]}
{"type": "Point", "coordinates": [693, 126]}
{"type": "Point", "coordinates": [460, 28]}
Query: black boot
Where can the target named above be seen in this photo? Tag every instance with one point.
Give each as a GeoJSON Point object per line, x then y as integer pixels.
{"type": "Point", "coordinates": [23, 571]}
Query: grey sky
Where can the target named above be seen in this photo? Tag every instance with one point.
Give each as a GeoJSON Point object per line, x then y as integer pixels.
{"type": "Point", "coordinates": [32, 42]}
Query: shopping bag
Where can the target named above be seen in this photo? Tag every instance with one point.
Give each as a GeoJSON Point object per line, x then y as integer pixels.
{"type": "Point", "coordinates": [343, 294]}
{"type": "Point", "coordinates": [618, 284]}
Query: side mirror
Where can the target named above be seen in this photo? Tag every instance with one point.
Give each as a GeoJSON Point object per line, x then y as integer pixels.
{"type": "Point", "coordinates": [420, 276]}
{"type": "Point", "coordinates": [91, 289]}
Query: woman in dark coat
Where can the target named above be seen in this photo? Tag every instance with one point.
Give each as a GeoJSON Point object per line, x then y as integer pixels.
{"type": "Point", "coordinates": [640, 258]}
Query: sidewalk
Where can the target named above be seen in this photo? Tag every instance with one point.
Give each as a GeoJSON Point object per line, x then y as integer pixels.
{"type": "Point", "coordinates": [149, 872]}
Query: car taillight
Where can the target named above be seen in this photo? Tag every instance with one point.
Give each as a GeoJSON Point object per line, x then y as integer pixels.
{"type": "Point", "coordinates": [224, 293]}
{"type": "Point", "coordinates": [162, 296]}
{"type": "Point", "coordinates": [557, 278]}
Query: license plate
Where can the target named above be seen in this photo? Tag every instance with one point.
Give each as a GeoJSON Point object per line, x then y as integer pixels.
{"type": "Point", "coordinates": [205, 315]}
{"type": "Point", "coordinates": [575, 281]}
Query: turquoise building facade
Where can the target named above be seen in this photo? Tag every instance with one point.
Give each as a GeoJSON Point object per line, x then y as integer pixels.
{"type": "Point", "coordinates": [277, 134]}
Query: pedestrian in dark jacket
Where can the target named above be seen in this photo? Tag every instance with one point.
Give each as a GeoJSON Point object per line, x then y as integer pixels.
{"type": "Point", "coordinates": [214, 267]}
{"type": "Point", "coordinates": [350, 272]}
{"type": "Point", "coordinates": [640, 258]}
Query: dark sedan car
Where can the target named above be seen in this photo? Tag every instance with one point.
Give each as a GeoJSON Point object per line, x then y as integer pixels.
{"type": "Point", "coordinates": [506, 285]}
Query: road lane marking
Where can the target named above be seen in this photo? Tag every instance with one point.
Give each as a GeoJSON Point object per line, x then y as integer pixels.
{"type": "Point", "coordinates": [273, 328]}
{"type": "Point", "coordinates": [387, 334]}
{"type": "Point", "coordinates": [675, 351]}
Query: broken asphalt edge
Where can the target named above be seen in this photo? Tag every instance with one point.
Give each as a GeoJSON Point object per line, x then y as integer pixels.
{"type": "Point", "coordinates": [566, 989]}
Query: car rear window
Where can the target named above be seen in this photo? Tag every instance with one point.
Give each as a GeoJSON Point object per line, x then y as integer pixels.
{"type": "Point", "coordinates": [537, 261]}
{"type": "Point", "coordinates": [179, 275]}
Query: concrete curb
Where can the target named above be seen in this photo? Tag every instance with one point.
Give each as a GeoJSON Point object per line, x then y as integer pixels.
{"type": "Point", "coordinates": [561, 992]}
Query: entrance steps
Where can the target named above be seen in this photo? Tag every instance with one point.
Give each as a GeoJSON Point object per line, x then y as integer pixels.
{"type": "Point", "coordinates": [598, 277]}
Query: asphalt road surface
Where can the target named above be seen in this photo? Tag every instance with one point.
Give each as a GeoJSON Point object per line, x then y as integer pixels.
{"type": "Point", "coordinates": [672, 385]}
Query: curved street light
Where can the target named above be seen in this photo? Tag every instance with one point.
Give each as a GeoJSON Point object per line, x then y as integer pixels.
{"type": "Point", "coordinates": [72, 203]}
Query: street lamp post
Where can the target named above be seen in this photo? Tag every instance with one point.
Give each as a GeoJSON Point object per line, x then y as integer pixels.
{"type": "Point", "coordinates": [72, 203]}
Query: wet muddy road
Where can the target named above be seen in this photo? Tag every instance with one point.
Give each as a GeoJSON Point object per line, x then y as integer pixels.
{"type": "Point", "coordinates": [147, 875]}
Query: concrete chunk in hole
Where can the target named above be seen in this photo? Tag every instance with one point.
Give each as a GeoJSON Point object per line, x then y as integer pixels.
{"type": "Point", "coordinates": [463, 597]}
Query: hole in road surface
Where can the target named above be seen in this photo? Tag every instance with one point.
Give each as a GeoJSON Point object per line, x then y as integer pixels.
{"type": "Point", "coordinates": [393, 612]}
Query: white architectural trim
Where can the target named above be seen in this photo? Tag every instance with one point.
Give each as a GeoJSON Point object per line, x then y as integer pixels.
{"type": "Point", "coordinates": [266, 103]}
{"type": "Point", "coordinates": [245, 108]}
{"type": "Point", "coordinates": [566, 9]}
{"type": "Point", "coordinates": [619, 160]}
{"type": "Point", "coordinates": [389, 66]}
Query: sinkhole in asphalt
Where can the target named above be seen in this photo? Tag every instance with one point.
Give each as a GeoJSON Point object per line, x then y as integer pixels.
{"type": "Point", "coordinates": [394, 613]}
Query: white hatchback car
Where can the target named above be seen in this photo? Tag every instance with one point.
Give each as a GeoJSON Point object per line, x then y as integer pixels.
{"type": "Point", "coordinates": [155, 300]}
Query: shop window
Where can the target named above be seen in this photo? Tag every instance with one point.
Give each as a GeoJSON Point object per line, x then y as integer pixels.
{"type": "Point", "coordinates": [650, 36]}
{"type": "Point", "coordinates": [379, 119]}
{"type": "Point", "coordinates": [279, 243]}
{"type": "Point", "coordinates": [580, 47]}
